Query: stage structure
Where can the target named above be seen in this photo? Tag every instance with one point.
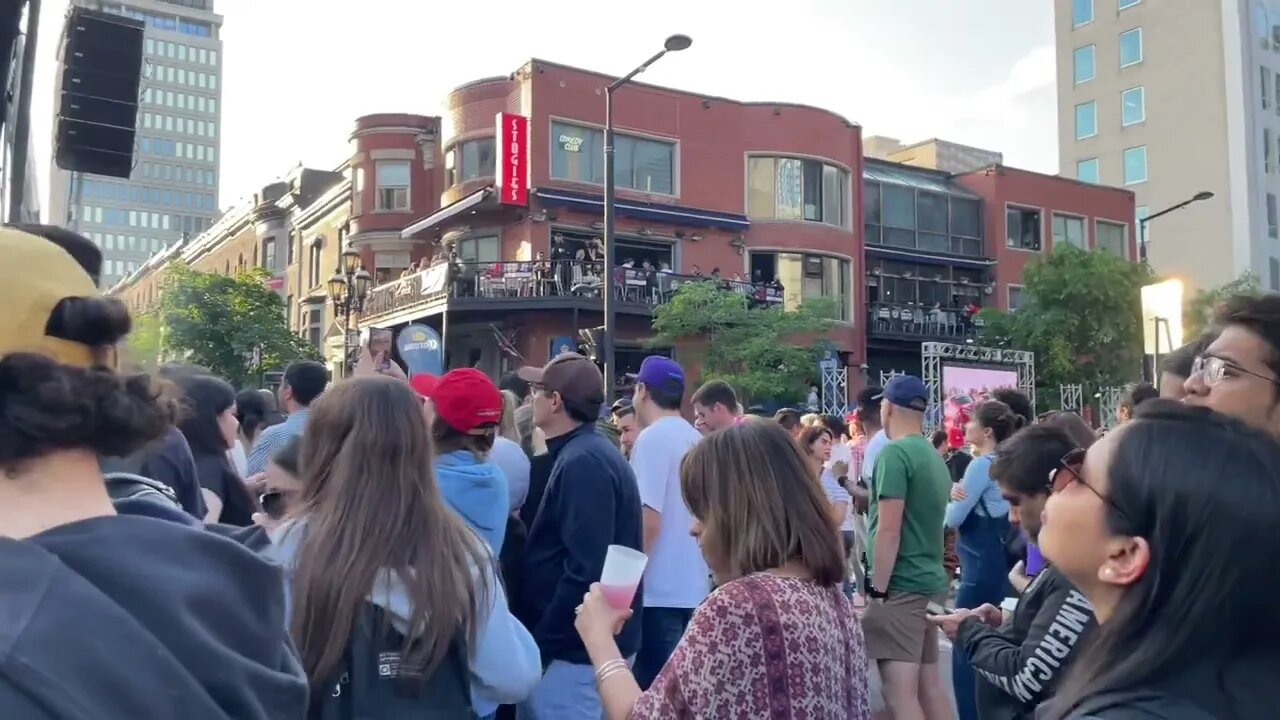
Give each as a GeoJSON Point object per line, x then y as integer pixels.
{"type": "Point", "coordinates": [1072, 397]}
{"type": "Point", "coordinates": [835, 393]}
{"type": "Point", "coordinates": [1109, 399]}
{"type": "Point", "coordinates": [887, 375]}
{"type": "Point", "coordinates": [1018, 366]}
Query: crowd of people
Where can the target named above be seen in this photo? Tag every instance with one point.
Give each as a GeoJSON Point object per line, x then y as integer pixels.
{"type": "Point", "coordinates": [386, 546]}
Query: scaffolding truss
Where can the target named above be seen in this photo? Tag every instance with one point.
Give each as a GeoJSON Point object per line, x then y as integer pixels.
{"type": "Point", "coordinates": [934, 355]}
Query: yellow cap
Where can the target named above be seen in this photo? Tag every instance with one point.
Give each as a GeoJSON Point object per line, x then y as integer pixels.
{"type": "Point", "coordinates": [35, 275]}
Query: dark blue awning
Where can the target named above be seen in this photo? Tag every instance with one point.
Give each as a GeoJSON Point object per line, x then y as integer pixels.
{"type": "Point", "coordinates": [929, 258]}
{"type": "Point", "coordinates": [653, 212]}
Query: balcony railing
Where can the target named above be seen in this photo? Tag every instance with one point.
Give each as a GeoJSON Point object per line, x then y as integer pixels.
{"type": "Point", "coordinates": [542, 279]}
{"type": "Point", "coordinates": [918, 320]}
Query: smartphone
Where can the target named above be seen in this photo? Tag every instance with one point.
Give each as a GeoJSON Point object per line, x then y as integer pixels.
{"type": "Point", "coordinates": [379, 344]}
{"type": "Point", "coordinates": [934, 608]}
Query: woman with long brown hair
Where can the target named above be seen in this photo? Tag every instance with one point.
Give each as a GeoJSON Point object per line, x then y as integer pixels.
{"type": "Point", "coordinates": [374, 539]}
{"type": "Point", "coordinates": [777, 638]}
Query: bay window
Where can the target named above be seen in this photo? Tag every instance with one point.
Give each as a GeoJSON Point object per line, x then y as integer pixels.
{"type": "Point", "coordinates": [392, 178]}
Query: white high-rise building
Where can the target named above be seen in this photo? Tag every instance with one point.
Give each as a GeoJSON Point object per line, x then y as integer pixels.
{"type": "Point", "coordinates": [173, 190]}
{"type": "Point", "coordinates": [1171, 98]}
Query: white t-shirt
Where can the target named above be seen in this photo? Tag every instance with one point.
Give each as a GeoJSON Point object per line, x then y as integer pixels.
{"type": "Point", "coordinates": [869, 453]}
{"type": "Point", "coordinates": [676, 576]}
{"type": "Point", "coordinates": [509, 456]}
{"type": "Point", "coordinates": [836, 494]}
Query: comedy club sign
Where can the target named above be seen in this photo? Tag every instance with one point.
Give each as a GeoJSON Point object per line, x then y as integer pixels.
{"type": "Point", "coordinates": [513, 159]}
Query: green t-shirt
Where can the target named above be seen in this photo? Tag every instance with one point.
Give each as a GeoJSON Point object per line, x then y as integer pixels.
{"type": "Point", "coordinates": [911, 470]}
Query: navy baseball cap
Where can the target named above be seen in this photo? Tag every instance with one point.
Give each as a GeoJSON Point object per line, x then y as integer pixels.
{"type": "Point", "coordinates": [906, 391]}
{"type": "Point", "coordinates": [661, 372]}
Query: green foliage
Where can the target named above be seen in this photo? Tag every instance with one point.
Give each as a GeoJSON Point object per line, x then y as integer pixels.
{"type": "Point", "coordinates": [1197, 312]}
{"type": "Point", "coordinates": [143, 345]}
{"type": "Point", "coordinates": [222, 323]}
{"type": "Point", "coordinates": [752, 348]}
{"type": "Point", "coordinates": [1082, 318]}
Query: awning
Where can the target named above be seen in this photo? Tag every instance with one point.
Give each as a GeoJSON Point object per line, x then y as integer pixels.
{"type": "Point", "coordinates": [929, 258]}
{"type": "Point", "coordinates": [653, 212]}
{"type": "Point", "coordinates": [448, 212]}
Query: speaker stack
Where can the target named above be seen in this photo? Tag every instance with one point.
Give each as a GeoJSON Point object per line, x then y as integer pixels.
{"type": "Point", "coordinates": [98, 110]}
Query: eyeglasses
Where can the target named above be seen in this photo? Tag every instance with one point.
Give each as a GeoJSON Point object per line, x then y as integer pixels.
{"type": "Point", "coordinates": [1069, 470]}
{"type": "Point", "coordinates": [1212, 369]}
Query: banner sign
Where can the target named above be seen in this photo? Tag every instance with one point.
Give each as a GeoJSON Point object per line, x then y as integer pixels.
{"type": "Point", "coordinates": [421, 350]}
{"type": "Point", "coordinates": [513, 159]}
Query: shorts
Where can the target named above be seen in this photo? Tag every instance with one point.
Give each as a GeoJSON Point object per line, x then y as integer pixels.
{"type": "Point", "coordinates": [898, 628]}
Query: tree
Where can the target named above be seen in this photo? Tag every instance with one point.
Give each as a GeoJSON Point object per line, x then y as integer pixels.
{"type": "Point", "coordinates": [1197, 312]}
{"type": "Point", "coordinates": [1082, 317]}
{"type": "Point", "coordinates": [752, 348]}
{"type": "Point", "coordinates": [233, 325]}
{"type": "Point", "coordinates": [143, 345]}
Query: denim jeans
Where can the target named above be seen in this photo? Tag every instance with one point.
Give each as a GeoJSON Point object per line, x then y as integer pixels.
{"type": "Point", "coordinates": [566, 692]}
{"type": "Point", "coordinates": [660, 632]}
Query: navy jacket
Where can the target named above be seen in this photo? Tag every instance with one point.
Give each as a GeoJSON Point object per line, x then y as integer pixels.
{"type": "Point", "coordinates": [131, 616]}
{"type": "Point", "coordinates": [591, 502]}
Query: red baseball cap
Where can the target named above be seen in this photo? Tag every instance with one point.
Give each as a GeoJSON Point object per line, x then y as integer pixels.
{"type": "Point", "coordinates": [466, 399]}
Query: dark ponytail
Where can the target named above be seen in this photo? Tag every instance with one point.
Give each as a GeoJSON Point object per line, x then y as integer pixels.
{"type": "Point", "coordinates": [999, 418]}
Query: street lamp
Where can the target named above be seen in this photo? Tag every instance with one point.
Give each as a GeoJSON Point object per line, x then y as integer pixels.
{"type": "Point", "coordinates": [348, 289]}
{"type": "Point", "coordinates": [675, 43]}
{"type": "Point", "coordinates": [1142, 224]}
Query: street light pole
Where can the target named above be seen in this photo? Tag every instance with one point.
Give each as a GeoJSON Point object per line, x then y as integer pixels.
{"type": "Point", "coordinates": [348, 289]}
{"type": "Point", "coordinates": [1142, 224]}
{"type": "Point", "coordinates": [675, 43]}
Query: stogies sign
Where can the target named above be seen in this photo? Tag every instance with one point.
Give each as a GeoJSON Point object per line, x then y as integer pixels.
{"type": "Point", "coordinates": [513, 159]}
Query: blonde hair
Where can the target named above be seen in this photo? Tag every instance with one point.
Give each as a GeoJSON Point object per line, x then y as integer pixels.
{"type": "Point", "coordinates": [507, 426]}
{"type": "Point", "coordinates": [810, 419]}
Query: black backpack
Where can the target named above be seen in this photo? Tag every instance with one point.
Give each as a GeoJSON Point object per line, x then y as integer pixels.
{"type": "Point", "coordinates": [373, 684]}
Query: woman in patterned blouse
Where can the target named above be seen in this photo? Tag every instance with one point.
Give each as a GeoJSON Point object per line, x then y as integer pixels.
{"type": "Point", "coordinates": [777, 639]}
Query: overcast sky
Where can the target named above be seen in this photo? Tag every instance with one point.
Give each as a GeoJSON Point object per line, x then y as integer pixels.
{"type": "Point", "coordinates": [298, 72]}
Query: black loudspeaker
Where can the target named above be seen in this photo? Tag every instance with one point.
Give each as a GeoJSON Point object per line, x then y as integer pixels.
{"type": "Point", "coordinates": [101, 67]}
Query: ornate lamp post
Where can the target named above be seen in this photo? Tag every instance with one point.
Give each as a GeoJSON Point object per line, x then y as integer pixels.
{"type": "Point", "coordinates": [349, 289]}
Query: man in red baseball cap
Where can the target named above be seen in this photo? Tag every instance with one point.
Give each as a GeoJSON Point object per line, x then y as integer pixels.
{"type": "Point", "coordinates": [465, 408]}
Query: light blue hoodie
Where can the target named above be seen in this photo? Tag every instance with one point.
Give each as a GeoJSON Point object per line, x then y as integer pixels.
{"type": "Point", "coordinates": [505, 663]}
{"type": "Point", "coordinates": [476, 490]}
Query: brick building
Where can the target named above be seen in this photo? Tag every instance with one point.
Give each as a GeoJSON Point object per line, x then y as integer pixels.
{"type": "Point", "coordinates": [764, 195]}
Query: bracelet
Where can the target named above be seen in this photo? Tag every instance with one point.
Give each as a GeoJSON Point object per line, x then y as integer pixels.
{"type": "Point", "coordinates": [612, 671]}
{"type": "Point", "coordinates": [609, 666]}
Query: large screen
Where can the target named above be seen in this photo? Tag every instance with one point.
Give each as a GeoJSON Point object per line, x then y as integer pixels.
{"type": "Point", "coordinates": [965, 386]}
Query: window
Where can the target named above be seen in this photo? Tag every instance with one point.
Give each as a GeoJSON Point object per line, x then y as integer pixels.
{"type": "Point", "coordinates": [796, 189]}
{"type": "Point", "coordinates": [1265, 75]}
{"type": "Point", "coordinates": [805, 277]}
{"type": "Point", "coordinates": [1126, 4]}
{"type": "Point", "coordinates": [478, 250]}
{"type": "Point", "coordinates": [1267, 166]}
{"type": "Point", "coordinates": [289, 254]}
{"type": "Point", "coordinates": [1275, 273]}
{"type": "Point", "coordinates": [1081, 12]}
{"type": "Point", "coordinates": [1110, 238]}
{"type": "Point", "coordinates": [1016, 297]}
{"type": "Point", "coordinates": [315, 260]}
{"type": "Point", "coordinates": [1271, 216]}
{"type": "Point", "coordinates": [388, 266]}
{"type": "Point", "coordinates": [1083, 63]}
{"type": "Point", "coordinates": [1133, 106]}
{"type": "Point", "coordinates": [1086, 120]}
{"type": "Point", "coordinates": [1140, 215]}
{"type": "Point", "coordinates": [315, 325]}
{"type": "Point", "coordinates": [1131, 47]}
{"type": "Point", "coordinates": [150, 46]}
{"type": "Point", "coordinates": [1068, 230]}
{"type": "Point", "coordinates": [643, 164]}
{"type": "Point", "coordinates": [393, 184]}
{"type": "Point", "coordinates": [1087, 170]}
{"type": "Point", "coordinates": [1023, 228]}
{"type": "Point", "coordinates": [477, 160]}
{"type": "Point", "coordinates": [1135, 165]}
{"type": "Point", "coordinates": [269, 253]}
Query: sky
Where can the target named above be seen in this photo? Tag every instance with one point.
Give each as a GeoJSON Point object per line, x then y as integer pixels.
{"type": "Point", "coordinates": [298, 72]}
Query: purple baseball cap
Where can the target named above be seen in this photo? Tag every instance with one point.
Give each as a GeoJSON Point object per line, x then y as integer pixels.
{"type": "Point", "coordinates": [661, 372]}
